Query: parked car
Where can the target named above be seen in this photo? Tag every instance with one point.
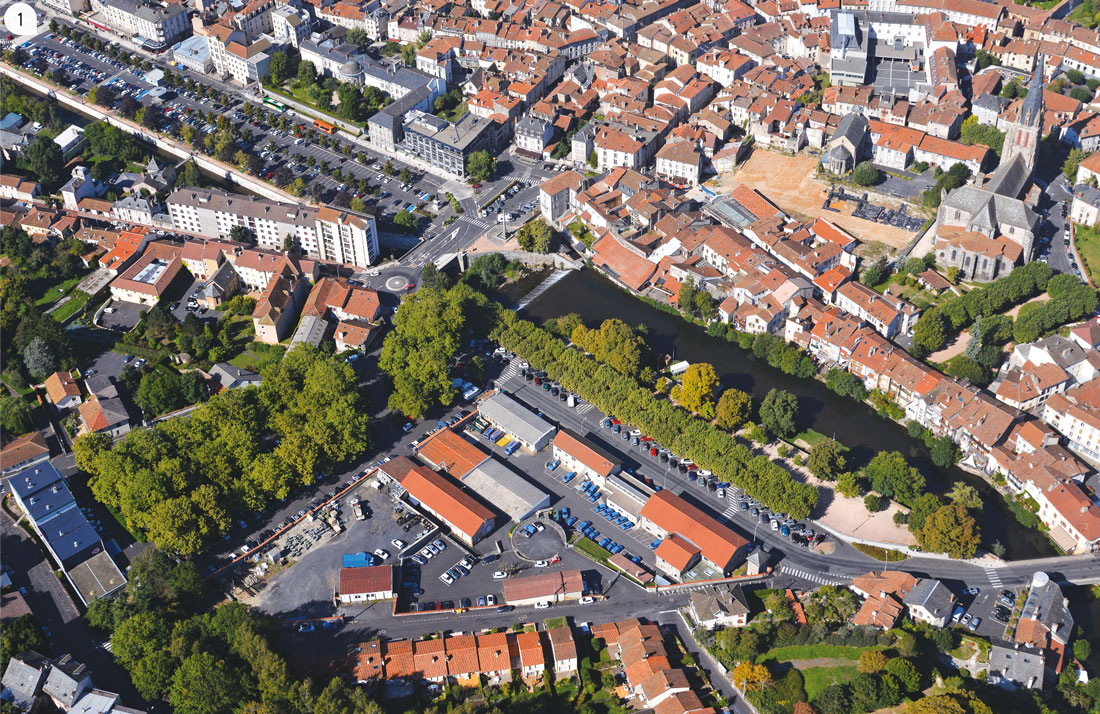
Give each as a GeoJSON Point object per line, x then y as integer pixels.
{"type": "Point", "coordinates": [500, 575]}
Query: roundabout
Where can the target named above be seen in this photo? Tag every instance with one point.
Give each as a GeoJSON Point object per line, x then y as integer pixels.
{"type": "Point", "coordinates": [545, 544]}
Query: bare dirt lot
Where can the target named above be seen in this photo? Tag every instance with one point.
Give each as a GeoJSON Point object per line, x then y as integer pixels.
{"type": "Point", "coordinates": [790, 183]}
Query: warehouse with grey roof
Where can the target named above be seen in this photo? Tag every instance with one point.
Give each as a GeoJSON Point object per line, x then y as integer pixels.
{"type": "Point", "coordinates": [531, 431]}
{"type": "Point", "coordinates": [506, 490]}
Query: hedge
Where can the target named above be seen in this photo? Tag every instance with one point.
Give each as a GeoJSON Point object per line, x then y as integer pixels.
{"type": "Point", "coordinates": [705, 444]}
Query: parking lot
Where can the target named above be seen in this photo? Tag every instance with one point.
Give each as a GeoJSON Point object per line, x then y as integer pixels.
{"type": "Point", "coordinates": [985, 607]}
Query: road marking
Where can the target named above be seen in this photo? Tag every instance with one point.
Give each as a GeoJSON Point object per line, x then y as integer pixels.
{"type": "Point", "coordinates": [994, 577]}
{"type": "Point", "coordinates": [812, 577]}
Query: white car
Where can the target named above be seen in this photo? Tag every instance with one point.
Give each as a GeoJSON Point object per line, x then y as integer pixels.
{"type": "Point", "coordinates": [541, 564]}
{"type": "Point", "coordinates": [500, 575]}
{"type": "Point", "coordinates": [587, 600]}
{"type": "Point", "coordinates": [447, 579]}
{"type": "Point", "coordinates": [425, 553]}
{"type": "Point", "coordinates": [381, 553]}
{"type": "Point", "coordinates": [397, 543]}
{"type": "Point", "coordinates": [491, 599]}
{"type": "Point", "coordinates": [542, 605]}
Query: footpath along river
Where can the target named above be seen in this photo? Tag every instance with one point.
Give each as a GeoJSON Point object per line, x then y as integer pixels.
{"type": "Point", "coordinates": [595, 298]}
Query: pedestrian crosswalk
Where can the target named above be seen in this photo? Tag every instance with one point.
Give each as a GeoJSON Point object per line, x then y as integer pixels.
{"type": "Point", "coordinates": [994, 577]}
{"type": "Point", "coordinates": [479, 222]}
{"type": "Point", "coordinates": [812, 577]}
{"type": "Point", "coordinates": [510, 371]}
{"type": "Point", "coordinates": [584, 408]}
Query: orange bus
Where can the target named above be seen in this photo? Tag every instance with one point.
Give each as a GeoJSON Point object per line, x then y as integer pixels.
{"type": "Point", "coordinates": [324, 126]}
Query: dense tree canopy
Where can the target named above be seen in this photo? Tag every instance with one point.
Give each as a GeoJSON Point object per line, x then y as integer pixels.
{"type": "Point", "coordinates": [181, 481]}
{"type": "Point", "coordinates": [616, 344]}
{"type": "Point", "coordinates": [428, 331]}
{"type": "Point", "coordinates": [892, 476]}
{"type": "Point", "coordinates": [535, 236]}
{"type": "Point", "coordinates": [779, 413]}
{"type": "Point", "coordinates": [697, 387]}
{"type": "Point", "coordinates": [734, 407]}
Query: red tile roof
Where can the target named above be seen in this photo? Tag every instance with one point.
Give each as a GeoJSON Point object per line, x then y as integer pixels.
{"type": "Point", "coordinates": [359, 581]}
{"type": "Point", "coordinates": [452, 453]}
{"type": "Point", "coordinates": [582, 450]}
{"type": "Point", "coordinates": [461, 511]}
{"type": "Point", "coordinates": [717, 542]}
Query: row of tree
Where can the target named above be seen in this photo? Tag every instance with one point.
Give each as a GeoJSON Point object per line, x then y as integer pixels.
{"type": "Point", "coordinates": [613, 392]}
{"type": "Point", "coordinates": [182, 481]}
{"type": "Point", "coordinates": [939, 323]}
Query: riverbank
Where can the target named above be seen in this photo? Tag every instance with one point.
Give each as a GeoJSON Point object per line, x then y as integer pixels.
{"type": "Point", "coordinates": [858, 426]}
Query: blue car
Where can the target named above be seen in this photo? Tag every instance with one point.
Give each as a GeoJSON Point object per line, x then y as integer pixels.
{"type": "Point", "coordinates": [600, 508]}
{"type": "Point", "coordinates": [594, 535]}
{"type": "Point", "coordinates": [604, 542]}
{"type": "Point", "coordinates": [530, 529]}
{"type": "Point", "coordinates": [654, 544]}
{"type": "Point", "coordinates": [583, 526]}
{"type": "Point", "coordinates": [570, 521]}
{"type": "Point", "coordinates": [605, 424]}
{"type": "Point", "coordinates": [569, 477]}
{"type": "Point", "coordinates": [594, 497]}
{"type": "Point", "coordinates": [617, 549]}
{"type": "Point", "coordinates": [565, 513]}
{"type": "Point", "coordinates": [635, 559]}
{"type": "Point", "coordinates": [585, 486]}
{"type": "Point", "coordinates": [511, 448]}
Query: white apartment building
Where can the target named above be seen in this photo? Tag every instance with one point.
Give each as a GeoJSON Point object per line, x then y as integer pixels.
{"type": "Point", "coordinates": [321, 233]}
{"type": "Point", "coordinates": [159, 22]}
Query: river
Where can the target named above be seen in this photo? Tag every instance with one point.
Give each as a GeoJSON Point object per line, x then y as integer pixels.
{"type": "Point", "coordinates": [595, 298]}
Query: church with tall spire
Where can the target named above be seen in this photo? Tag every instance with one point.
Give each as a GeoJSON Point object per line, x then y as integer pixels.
{"type": "Point", "coordinates": [1022, 136]}
{"type": "Point", "coordinates": [986, 231]}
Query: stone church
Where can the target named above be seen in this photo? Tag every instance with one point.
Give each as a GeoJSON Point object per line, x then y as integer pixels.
{"type": "Point", "coordinates": [986, 231]}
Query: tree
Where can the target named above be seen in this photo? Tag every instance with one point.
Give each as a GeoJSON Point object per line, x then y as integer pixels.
{"type": "Point", "coordinates": [40, 358]}
{"type": "Point", "coordinates": [930, 330]}
{"type": "Point", "coordinates": [279, 68]}
{"type": "Point", "coordinates": [307, 74]}
{"type": "Point", "coordinates": [749, 677]}
{"type": "Point", "coordinates": [974, 132]}
{"type": "Point", "coordinates": [951, 530]}
{"type": "Point", "coordinates": [1076, 76]}
{"type": "Point", "coordinates": [15, 416]}
{"type": "Point", "coordinates": [433, 278]}
{"type": "Point", "coordinates": [535, 236]}
{"type": "Point", "coordinates": [872, 503]}
{"type": "Point", "coordinates": [240, 234]}
{"type": "Point", "coordinates": [845, 384]}
{"type": "Point", "coordinates": [827, 460]}
{"type": "Point", "coordinates": [734, 407]}
{"type": "Point", "coordinates": [905, 672]}
{"type": "Point", "coordinates": [1073, 160]}
{"type": "Point", "coordinates": [615, 344]}
{"type": "Point", "coordinates": [944, 452]}
{"type": "Point", "coordinates": [848, 485]}
{"type": "Point", "coordinates": [892, 476]}
{"type": "Point", "coordinates": [697, 389]}
{"type": "Point", "coordinates": [777, 604]}
{"type": "Point", "coordinates": [965, 495]}
{"type": "Point", "coordinates": [204, 684]}
{"type": "Point", "coordinates": [481, 165]}
{"type": "Point", "coordinates": [19, 635]}
{"type": "Point", "coordinates": [871, 661]}
{"type": "Point", "coordinates": [778, 413]}
{"type": "Point", "coordinates": [865, 174]}
{"type": "Point", "coordinates": [44, 161]}
{"type": "Point", "coordinates": [418, 352]}
{"type": "Point", "coordinates": [1082, 649]}
{"type": "Point", "coordinates": [404, 175]}
{"type": "Point", "coordinates": [408, 55]}
{"type": "Point", "coordinates": [936, 704]}
{"type": "Point", "coordinates": [875, 273]}
{"type": "Point", "coordinates": [405, 221]}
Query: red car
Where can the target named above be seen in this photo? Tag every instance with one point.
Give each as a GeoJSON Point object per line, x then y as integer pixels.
{"type": "Point", "coordinates": [555, 559]}
{"type": "Point", "coordinates": [616, 421]}
{"type": "Point", "coordinates": [652, 452]}
{"type": "Point", "coordinates": [477, 185]}
{"type": "Point", "coordinates": [410, 286]}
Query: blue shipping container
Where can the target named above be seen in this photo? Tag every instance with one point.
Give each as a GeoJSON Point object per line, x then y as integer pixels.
{"type": "Point", "coordinates": [356, 560]}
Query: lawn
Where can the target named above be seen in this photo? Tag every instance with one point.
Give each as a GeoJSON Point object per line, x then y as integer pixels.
{"type": "Point", "coordinates": [818, 678]}
{"type": "Point", "coordinates": [883, 554]}
{"type": "Point", "coordinates": [455, 113]}
{"type": "Point", "coordinates": [75, 304]}
{"type": "Point", "coordinates": [301, 94]}
{"type": "Point", "coordinates": [812, 438]}
{"type": "Point", "coordinates": [1087, 241]}
{"type": "Point", "coordinates": [57, 291]}
{"type": "Point", "coordinates": [591, 549]}
{"type": "Point", "coordinates": [793, 652]}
